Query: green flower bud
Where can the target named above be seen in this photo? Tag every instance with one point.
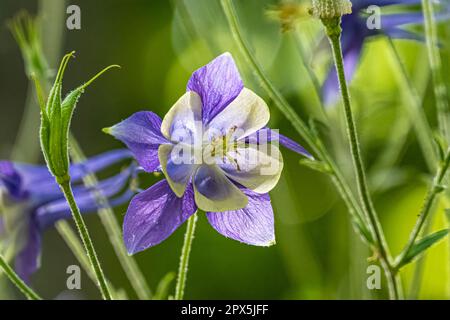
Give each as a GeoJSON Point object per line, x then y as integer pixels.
{"type": "Point", "coordinates": [56, 115]}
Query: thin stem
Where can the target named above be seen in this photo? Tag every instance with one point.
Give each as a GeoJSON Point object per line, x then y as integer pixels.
{"type": "Point", "coordinates": [435, 189]}
{"type": "Point", "coordinates": [363, 189]}
{"type": "Point", "coordinates": [416, 113]}
{"type": "Point", "coordinates": [184, 258]}
{"type": "Point", "coordinates": [113, 229]}
{"type": "Point", "coordinates": [434, 57]}
{"type": "Point", "coordinates": [26, 290]}
{"type": "Point", "coordinates": [84, 234]}
{"type": "Point", "coordinates": [298, 124]}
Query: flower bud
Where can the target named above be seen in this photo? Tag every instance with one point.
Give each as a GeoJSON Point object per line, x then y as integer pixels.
{"type": "Point", "coordinates": [56, 115]}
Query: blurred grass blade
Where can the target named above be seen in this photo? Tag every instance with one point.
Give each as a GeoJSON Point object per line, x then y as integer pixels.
{"type": "Point", "coordinates": [73, 242]}
{"type": "Point", "coordinates": [162, 290]}
{"type": "Point", "coordinates": [316, 165]}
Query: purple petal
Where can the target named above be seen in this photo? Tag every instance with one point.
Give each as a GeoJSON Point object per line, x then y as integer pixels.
{"type": "Point", "coordinates": [361, 4]}
{"type": "Point", "coordinates": [398, 33]}
{"type": "Point", "coordinates": [252, 225]}
{"type": "Point", "coordinates": [97, 163]}
{"type": "Point", "coordinates": [218, 83]}
{"type": "Point", "coordinates": [11, 180]}
{"type": "Point", "coordinates": [395, 20]}
{"type": "Point", "coordinates": [142, 134]}
{"type": "Point", "coordinates": [42, 186]}
{"type": "Point", "coordinates": [86, 200]}
{"type": "Point", "coordinates": [28, 259]}
{"type": "Point", "coordinates": [267, 135]}
{"type": "Point", "coordinates": [154, 215]}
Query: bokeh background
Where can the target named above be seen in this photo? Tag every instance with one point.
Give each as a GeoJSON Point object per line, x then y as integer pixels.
{"type": "Point", "coordinates": [158, 44]}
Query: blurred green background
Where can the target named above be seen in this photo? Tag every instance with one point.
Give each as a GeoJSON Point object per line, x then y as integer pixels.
{"type": "Point", "coordinates": [158, 44]}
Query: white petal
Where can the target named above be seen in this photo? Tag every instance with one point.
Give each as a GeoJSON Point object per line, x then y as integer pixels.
{"type": "Point", "coordinates": [256, 167]}
{"type": "Point", "coordinates": [183, 122]}
{"type": "Point", "coordinates": [177, 168]}
{"type": "Point", "coordinates": [243, 116]}
{"type": "Point", "coordinates": [215, 192]}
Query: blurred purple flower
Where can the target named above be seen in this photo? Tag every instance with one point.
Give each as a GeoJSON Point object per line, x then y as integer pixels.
{"type": "Point", "coordinates": [202, 147]}
{"type": "Point", "coordinates": [31, 201]}
{"type": "Point", "coordinates": [356, 31]}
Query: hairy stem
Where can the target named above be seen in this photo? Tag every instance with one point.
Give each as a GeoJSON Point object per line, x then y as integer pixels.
{"type": "Point", "coordinates": [85, 237]}
{"type": "Point", "coordinates": [361, 180]}
{"type": "Point", "coordinates": [184, 258]}
{"type": "Point", "coordinates": [26, 290]}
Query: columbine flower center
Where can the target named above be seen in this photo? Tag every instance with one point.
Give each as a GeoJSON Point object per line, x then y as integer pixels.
{"type": "Point", "coordinates": [222, 146]}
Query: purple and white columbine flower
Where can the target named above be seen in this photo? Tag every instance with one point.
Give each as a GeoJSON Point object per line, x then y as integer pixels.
{"type": "Point", "coordinates": [355, 32]}
{"type": "Point", "coordinates": [31, 201]}
{"type": "Point", "coordinates": [216, 154]}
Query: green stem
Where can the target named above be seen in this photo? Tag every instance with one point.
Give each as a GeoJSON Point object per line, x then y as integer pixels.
{"type": "Point", "coordinates": [26, 290]}
{"type": "Point", "coordinates": [435, 189]}
{"type": "Point", "coordinates": [184, 258]}
{"type": "Point", "coordinates": [298, 124]}
{"type": "Point", "coordinates": [84, 234]}
{"type": "Point", "coordinates": [416, 113]}
{"type": "Point", "coordinates": [434, 57]}
{"type": "Point", "coordinates": [113, 229]}
{"type": "Point", "coordinates": [334, 35]}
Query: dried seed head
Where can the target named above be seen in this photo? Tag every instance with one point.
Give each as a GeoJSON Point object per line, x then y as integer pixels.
{"type": "Point", "coordinates": [328, 9]}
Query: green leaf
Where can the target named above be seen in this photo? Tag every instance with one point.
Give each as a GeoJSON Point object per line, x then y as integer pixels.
{"type": "Point", "coordinates": [421, 245]}
{"type": "Point", "coordinates": [441, 144]}
{"type": "Point", "coordinates": [363, 232]}
{"type": "Point", "coordinates": [163, 286]}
